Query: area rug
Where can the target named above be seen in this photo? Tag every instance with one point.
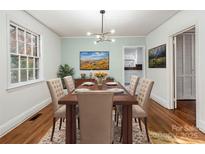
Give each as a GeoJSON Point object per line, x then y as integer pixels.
{"type": "Point", "coordinates": [139, 137]}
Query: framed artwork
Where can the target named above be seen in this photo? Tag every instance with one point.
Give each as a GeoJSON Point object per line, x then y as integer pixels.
{"type": "Point", "coordinates": [94, 60]}
{"type": "Point", "coordinates": [157, 57]}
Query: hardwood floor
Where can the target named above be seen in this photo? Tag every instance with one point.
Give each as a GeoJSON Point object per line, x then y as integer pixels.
{"type": "Point", "coordinates": [178, 123]}
{"type": "Point", "coordinates": [31, 131]}
{"type": "Point", "coordinates": [187, 111]}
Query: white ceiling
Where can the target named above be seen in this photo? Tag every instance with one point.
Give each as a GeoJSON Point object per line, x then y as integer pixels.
{"type": "Point", "coordinates": [126, 23]}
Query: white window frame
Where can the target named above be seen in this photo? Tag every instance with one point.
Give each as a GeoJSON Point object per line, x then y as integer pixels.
{"type": "Point", "coordinates": [39, 56]}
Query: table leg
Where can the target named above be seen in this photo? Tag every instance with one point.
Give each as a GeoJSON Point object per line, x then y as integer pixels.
{"type": "Point", "coordinates": [70, 124]}
{"type": "Point", "coordinates": [127, 124]}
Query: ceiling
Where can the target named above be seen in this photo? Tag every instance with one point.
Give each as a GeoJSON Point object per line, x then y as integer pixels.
{"type": "Point", "coordinates": [74, 23]}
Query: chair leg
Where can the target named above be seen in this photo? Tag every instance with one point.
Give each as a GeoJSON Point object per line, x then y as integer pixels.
{"type": "Point", "coordinates": [78, 122]}
{"type": "Point", "coordinates": [117, 116]}
{"type": "Point", "coordinates": [115, 113]}
{"type": "Point", "coordinates": [121, 133]}
{"type": "Point", "coordinates": [135, 119]}
{"type": "Point", "coordinates": [140, 124]}
{"type": "Point", "coordinates": [54, 123]}
{"type": "Point", "coordinates": [145, 122]}
{"type": "Point", "coordinates": [61, 119]}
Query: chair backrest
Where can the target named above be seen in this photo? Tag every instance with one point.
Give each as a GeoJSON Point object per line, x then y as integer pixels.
{"type": "Point", "coordinates": [69, 83]}
{"type": "Point", "coordinates": [95, 117]}
{"type": "Point", "coordinates": [144, 92]}
{"type": "Point", "coordinates": [133, 84]}
{"type": "Point", "coordinates": [56, 91]}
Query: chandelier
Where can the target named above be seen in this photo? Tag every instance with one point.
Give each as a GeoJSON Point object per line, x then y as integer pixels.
{"type": "Point", "coordinates": [102, 36]}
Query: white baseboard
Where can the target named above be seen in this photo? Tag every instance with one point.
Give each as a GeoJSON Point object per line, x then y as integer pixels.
{"type": "Point", "coordinates": [13, 123]}
{"type": "Point", "coordinates": [201, 126]}
{"type": "Point", "coordinates": [160, 101]}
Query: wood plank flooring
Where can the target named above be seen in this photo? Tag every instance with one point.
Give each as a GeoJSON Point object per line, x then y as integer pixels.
{"type": "Point", "coordinates": [30, 131]}
{"type": "Point", "coordinates": [187, 111]}
{"type": "Point", "coordinates": [160, 120]}
{"type": "Point", "coordinates": [178, 123]}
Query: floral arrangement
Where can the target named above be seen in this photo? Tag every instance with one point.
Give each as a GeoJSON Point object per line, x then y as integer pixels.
{"type": "Point", "coordinates": [83, 75]}
{"type": "Point", "coordinates": [100, 74]}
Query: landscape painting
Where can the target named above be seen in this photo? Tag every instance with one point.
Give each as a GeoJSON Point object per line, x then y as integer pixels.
{"type": "Point", "coordinates": [94, 60]}
{"type": "Point", "coordinates": [157, 57]}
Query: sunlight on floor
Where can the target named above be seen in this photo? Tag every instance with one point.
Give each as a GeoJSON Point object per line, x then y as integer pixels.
{"type": "Point", "coordinates": [167, 138]}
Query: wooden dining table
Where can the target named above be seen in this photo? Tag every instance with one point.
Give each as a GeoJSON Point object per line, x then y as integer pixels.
{"type": "Point", "coordinates": [124, 99]}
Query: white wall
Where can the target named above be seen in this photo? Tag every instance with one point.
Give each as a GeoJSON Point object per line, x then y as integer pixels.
{"type": "Point", "coordinates": [71, 48]}
{"type": "Point", "coordinates": [18, 104]}
{"type": "Point", "coordinates": [162, 77]}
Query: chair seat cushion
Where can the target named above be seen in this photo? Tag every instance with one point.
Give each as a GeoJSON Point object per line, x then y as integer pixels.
{"type": "Point", "coordinates": [138, 112]}
{"type": "Point", "coordinates": [60, 113]}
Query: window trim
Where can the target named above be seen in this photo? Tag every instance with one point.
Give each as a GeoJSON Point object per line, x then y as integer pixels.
{"type": "Point", "coordinates": [39, 52]}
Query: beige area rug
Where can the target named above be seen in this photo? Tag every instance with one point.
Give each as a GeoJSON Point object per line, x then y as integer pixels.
{"type": "Point", "coordinates": [139, 137]}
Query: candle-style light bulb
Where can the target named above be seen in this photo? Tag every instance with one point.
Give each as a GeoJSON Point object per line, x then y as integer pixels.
{"type": "Point", "coordinates": [112, 40]}
{"type": "Point", "coordinates": [112, 31]}
{"type": "Point", "coordinates": [89, 33]}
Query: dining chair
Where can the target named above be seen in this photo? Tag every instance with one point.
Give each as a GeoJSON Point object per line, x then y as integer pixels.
{"type": "Point", "coordinates": [132, 90]}
{"type": "Point", "coordinates": [140, 111]}
{"type": "Point", "coordinates": [69, 83]}
{"type": "Point", "coordinates": [133, 84]}
{"type": "Point", "coordinates": [56, 91]}
{"type": "Point", "coordinates": [95, 117]}
{"type": "Point", "coordinates": [70, 86]}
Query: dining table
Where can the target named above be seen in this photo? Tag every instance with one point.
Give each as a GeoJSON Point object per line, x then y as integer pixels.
{"type": "Point", "coordinates": [125, 99]}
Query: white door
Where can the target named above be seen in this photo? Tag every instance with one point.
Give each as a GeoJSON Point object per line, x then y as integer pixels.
{"type": "Point", "coordinates": [185, 66]}
{"type": "Point", "coordinates": [174, 70]}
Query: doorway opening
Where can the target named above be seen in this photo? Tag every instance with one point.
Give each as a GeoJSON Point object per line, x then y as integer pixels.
{"type": "Point", "coordinates": [184, 74]}
{"type": "Point", "coordinates": [133, 60]}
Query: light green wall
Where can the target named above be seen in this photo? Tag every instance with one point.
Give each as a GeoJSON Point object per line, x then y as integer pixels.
{"type": "Point", "coordinates": [72, 46]}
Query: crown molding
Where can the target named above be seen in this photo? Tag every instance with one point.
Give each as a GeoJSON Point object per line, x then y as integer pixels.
{"type": "Point", "coordinates": [42, 23]}
{"type": "Point", "coordinates": [163, 22]}
{"type": "Point", "coordinates": [91, 37]}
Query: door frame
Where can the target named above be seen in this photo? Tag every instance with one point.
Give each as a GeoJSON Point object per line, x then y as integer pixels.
{"type": "Point", "coordinates": [123, 62]}
{"type": "Point", "coordinates": [172, 74]}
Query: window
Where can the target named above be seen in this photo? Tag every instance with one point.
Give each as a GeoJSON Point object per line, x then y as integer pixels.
{"type": "Point", "coordinates": [24, 53]}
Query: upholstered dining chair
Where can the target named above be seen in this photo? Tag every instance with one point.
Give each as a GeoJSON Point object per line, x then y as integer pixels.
{"type": "Point", "coordinates": [95, 117]}
{"type": "Point", "coordinates": [70, 86]}
{"type": "Point", "coordinates": [133, 84]}
{"type": "Point", "coordinates": [132, 90]}
{"type": "Point", "coordinates": [69, 83]}
{"type": "Point", "coordinates": [56, 91]}
{"type": "Point", "coordinates": [140, 111]}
